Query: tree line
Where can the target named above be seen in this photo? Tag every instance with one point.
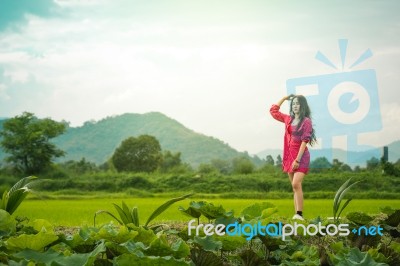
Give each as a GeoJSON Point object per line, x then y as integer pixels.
{"type": "Point", "coordinates": [27, 141]}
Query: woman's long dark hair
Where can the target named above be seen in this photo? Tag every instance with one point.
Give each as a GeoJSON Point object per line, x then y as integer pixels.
{"type": "Point", "coordinates": [304, 112]}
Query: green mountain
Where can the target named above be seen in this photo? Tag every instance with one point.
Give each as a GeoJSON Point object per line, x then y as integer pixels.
{"type": "Point", "coordinates": [96, 141]}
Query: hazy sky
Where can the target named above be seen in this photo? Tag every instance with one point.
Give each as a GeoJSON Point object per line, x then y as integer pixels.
{"type": "Point", "coordinates": [214, 66]}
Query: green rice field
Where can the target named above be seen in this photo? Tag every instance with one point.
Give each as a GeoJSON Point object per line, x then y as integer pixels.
{"type": "Point", "coordinates": [78, 212]}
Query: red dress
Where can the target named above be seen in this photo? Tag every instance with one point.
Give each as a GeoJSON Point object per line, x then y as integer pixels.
{"type": "Point", "coordinates": [292, 141]}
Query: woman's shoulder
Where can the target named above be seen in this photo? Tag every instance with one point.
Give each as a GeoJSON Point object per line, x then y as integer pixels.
{"type": "Point", "coordinates": [307, 122]}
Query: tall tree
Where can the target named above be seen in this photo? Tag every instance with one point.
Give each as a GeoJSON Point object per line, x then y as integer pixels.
{"type": "Point", "coordinates": [319, 164]}
{"type": "Point", "coordinates": [278, 161]}
{"type": "Point", "coordinates": [27, 139]}
{"type": "Point", "coordinates": [269, 160]}
{"type": "Point", "coordinates": [372, 163]}
{"type": "Point", "coordinates": [169, 161]}
{"type": "Point", "coordinates": [141, 154]}
{"type": "Point", "coordinates": [223, 166]}
{"type": "Point", "coordinates": [242, 165]}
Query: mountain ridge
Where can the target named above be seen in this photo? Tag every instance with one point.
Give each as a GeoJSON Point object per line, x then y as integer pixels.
{"type": "Point", "coordinates": [96, 141]}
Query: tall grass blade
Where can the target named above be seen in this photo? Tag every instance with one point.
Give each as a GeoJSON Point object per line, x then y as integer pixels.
{"type": "Point", "coordinates": [135, 216]}
{"type": "Point", "coordinates": [3, 203]}
{"type": "Point", "coordinates": [127, 212]}
{"type": "Point", "coordinates": [336, 202]}
{"type": "Point", "coordinates": [344, 193]}
{"type": "Point", "coordinates": [337, 209]}
{"type": "Point", "coordinates": [24, 182]}
{"type": "Point", "coordinates": [15, 199]}
{"type": "Point", "coordinates": [106, 212]}
{"type": "Point", "coordinates": [165, 206]}
{"type": "Point", "coordinates": [344, 206]}
{"type": "Point", "coordinates": [122, 214]}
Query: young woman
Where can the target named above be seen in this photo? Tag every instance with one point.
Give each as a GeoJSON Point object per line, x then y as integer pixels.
{"type": "Point", "coordinates": [298, 133]}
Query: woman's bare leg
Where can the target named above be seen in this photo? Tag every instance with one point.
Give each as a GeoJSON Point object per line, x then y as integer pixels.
{"type": "Point", "coordinates": [291, 175]}
{"type": "Point", "coordinates": [298, 191]}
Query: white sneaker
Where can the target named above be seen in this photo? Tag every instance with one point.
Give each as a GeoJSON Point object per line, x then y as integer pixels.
{"type": "Point", "coordinates": [298, 217]}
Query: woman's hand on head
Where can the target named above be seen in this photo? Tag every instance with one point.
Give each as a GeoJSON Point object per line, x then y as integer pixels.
{"type": "Point", "coordinates": [289, 97]}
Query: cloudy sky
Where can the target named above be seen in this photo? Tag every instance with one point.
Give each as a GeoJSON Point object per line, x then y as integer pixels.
{"type": "Point", "coordinates": [214, 66]}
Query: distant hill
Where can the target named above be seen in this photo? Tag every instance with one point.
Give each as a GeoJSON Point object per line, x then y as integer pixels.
{"type": "Point", "coordinates": [96, 141]}
{"type": "Point", "coordinates": [342, 155]}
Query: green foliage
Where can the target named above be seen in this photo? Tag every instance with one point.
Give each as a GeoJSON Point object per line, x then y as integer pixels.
{"type": "Point", "coordinates": [359, 218]}
{"type": "Point", "coordinates": [339, 197]}
{"type": "Point", "coordinates": [127, 216]}
{"type": "Point", "coordinates": [242, 165]}
{"type": "Point", "coordinates": [251, 258]}
{"type": "Point", "coordinates": [393, 218]}
{"type": "Point", "coordinates": [206, 168]}
{"type": "Point", "coordinates": [338, 166]}
{"type": "Point", "coordinates": [208, 243]}
{"type": "Point", "coordinates": [258, 211]}
{"type": "Point", "coordinates": [36, 243]}
{"type": "Point", "coordinates": [211, 212]}
{"type": "Point", "coordinates": [110, 232]}
{"type": "Point", "coordinates": [372, 163]}
{"type": "Point", "coordinates": [223, 166]}
{"type": "Point", "coordinates": [269, 160]}
{"type": "Point", "coordinates": [160, 246]}
{"type": "Point", "coordinates": [51, 257]}
{"type": "Point", "coordinates": [278, 161]}
{"type": "Point", "coordinates": [170, 161]}
{"type": "Point", "coordinates": [261, 185]}
{"type": "Point", "coordinates": [141, 154]}
{"type": "Point", "coordinates": [319, 165]}
{"type": "Point", "coordinates": [192, 210]}
{"type": "Point", "coordinates": [164, 207]}
{"type": "Point", "coordinates": [27, 139]}
{"type": "Point", "coordinates": [7, 224]}
{"type": "Point", "coordinates": [202, 257]}
{"type": "Point", "coordinates": [79, 167]}
{"type": "Point", "coordinates": [390, 169]}
{"type": "Point", "coordinates": [131, 216]}
{"type": "Point", "coordinates": [132, 259]}
{"type": "Point", "coordinates": [231, 243]}
{"type": "Point", "coordinates": [307, 256]}
{"type": "Point", "coordinates": [354, 257]}
{"type": "Point", "coordinates": [94, 246]}
{"type": "Point", "coordinates": [13, 198]}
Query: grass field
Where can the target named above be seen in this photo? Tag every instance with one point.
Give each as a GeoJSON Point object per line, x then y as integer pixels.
{"type": "Point", "coordinates": [78, 212]}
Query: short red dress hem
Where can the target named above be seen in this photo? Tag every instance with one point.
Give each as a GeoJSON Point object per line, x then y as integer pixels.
{"type": "Point", "coordinates": [301, 170]}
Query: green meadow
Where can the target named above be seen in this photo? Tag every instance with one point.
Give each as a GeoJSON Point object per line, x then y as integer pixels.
{"type": "Point", "coordinates": [78, 212]}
